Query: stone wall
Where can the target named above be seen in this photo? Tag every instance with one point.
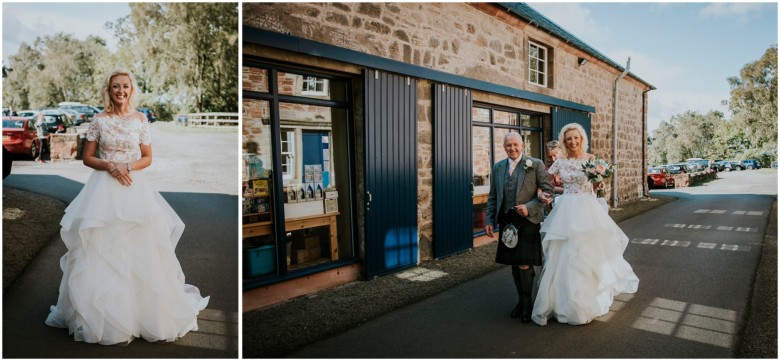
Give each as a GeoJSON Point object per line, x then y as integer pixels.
{"type": "Point", "coordinates": [478, 41]}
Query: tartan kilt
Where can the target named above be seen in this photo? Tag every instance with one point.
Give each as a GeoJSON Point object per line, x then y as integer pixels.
{"type": "Point", "coordinates": [528, 250]}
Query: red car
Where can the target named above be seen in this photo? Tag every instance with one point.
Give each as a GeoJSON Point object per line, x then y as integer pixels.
{"type": "Point", "coordinates": [19, 136]}
{"type": "Point", "coordinates": [659, 177]}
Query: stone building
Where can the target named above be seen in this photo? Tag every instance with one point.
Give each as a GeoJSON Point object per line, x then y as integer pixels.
{"type": "Point", "coordinates": [376, 125]}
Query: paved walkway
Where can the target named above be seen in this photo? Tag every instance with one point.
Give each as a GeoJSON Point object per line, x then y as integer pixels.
{"type": "Point", "coordinates": [695, 258]}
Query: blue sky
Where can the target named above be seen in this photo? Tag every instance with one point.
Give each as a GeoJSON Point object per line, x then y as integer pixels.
{"type": "Point", "coordinates": [686, 50]}
{"type": "Point", "coordinates": [23, 22]}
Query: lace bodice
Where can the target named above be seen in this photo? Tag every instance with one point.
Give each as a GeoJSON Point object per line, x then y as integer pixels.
{"type": "Point", "coordinates": [574, 179]}
{"type": "Point", "coordinates": [119, 138]}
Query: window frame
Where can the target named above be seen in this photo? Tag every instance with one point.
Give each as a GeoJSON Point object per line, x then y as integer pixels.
{"type": "Point", "coordinates": [543, 75]}
{"type": "Point", "coordinates": [314, 86]}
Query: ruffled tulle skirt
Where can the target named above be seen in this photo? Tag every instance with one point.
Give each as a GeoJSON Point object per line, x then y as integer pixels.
{"type": "Point", "coordinates": [583, 266]}
{"type": "Point", "coordinates": [121, 278]}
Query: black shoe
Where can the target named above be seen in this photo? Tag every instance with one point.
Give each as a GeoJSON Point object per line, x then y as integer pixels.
{"type": "Point", "coordinates": [517, 311]}
{"type": "Point", "coordinates": [527, 309]}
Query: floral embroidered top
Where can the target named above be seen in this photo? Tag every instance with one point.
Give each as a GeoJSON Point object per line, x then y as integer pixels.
{"type": "Point", "coordinates": [574, 179]}
{"type": "Point", "coordinates": [119, 138]}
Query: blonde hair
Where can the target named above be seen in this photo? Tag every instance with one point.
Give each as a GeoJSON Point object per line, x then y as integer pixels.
{"type": "Point", "coordinates": [579, 128]}
{"type": "Point", "coordinates": [108, 104]}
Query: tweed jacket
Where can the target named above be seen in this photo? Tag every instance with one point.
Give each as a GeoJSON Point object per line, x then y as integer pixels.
{"type": "Point", "coordinates": [528, 180]}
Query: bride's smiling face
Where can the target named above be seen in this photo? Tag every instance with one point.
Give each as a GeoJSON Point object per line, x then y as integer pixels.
{"type": "Point", "coordinates": [573, 140]}
{"type": "Point", "coordinates": [120, 90]}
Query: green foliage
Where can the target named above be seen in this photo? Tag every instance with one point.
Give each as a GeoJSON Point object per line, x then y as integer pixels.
{"type": "Point", "coordinates": [750, 133]}
{"type": "Point", "coordinates": [54, 69]}
{"type": "Point", "coordinates": [184, 57]}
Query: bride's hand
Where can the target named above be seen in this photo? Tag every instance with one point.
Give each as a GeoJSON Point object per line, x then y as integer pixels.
{"type": "Point", "coordinates": [125, 179]}
{"type": "Point", "coordinates": [118, 171]}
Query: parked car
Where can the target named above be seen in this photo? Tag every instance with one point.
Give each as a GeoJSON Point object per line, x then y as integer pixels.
{"type": "Point", "coordinates": [28, 113]}
{"type": "Point", "coordinates": [722, 165]}
{"type": "Point", "coordinates": [56, 120]}
{"type": "Point", "coordinates": [20, 137]}
{"type": "Point", "coordinates": [679, 168]}
{"type": "Point", "coordinates": [751, 164]}
{"type": "Point", "coordinates": [87, 110]}
{"type": "Point", "coordinates": [659, 177]}
{"type": "Point", "coordinates": [75, 117]}
{"type": "Point", "coordinates": [774, 164]}
{"type": "Point", "coordinates": [149, 114]}
{"type": "Point", "coordinates": [698, 164]}
{"type": "Point", "coordinates": [736, 165]}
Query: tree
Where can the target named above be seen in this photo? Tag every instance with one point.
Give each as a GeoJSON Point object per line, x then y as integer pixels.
{"type": "Point", "coordinates": [186, 52]}
{"type": "Point", "coordinates": [54, 69]}
{"type": "Point", "coordinates": [753, 105]}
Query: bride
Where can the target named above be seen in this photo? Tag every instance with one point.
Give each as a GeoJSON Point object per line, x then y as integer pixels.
{"type": "Point", "coordinates": [583, 248]}
{"type": "Point", "coordinates": [121, 278]}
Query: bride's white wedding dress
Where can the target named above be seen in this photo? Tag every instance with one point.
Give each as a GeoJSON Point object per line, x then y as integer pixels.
{"type": "Point", "coordinates": [583, 254]}
{"type": "Point", "coordinates": [121, 278]}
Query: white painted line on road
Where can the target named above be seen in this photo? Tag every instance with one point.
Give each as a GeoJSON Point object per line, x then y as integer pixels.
{"type": "Point", "coordinates": [755, 213]}
{"type": "Point", "coordinates": [706, 226]}
{"type": "Point", "coordinates": [701, 211]}
{"type": "Point", "coordinates": [734, 247]}
{"type": "Point", "coordinates": [746, 229]}
{"type": "Point", "coordinates": [650, 241]}
{"type": "Point", "coordinates": [739, 212]}
{"type": "Point", "coordinates": [718, 211]}
{"type": "Point", "coordinates": [667, 242]}
{"type": "Point", "coordinates": [702, 245]}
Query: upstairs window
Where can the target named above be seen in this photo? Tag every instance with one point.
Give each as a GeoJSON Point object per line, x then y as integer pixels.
{"type": "Point", "coordinates": [537, 64]}
{"type": "Point", "coordinates": [315, 86]}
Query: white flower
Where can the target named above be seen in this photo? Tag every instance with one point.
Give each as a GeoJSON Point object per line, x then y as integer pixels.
{"type": "Point", "coordinates": [528, 164]}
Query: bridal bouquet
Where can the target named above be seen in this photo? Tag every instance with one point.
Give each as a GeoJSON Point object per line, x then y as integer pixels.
{"type": "Point", "coordinates": [597, 171]}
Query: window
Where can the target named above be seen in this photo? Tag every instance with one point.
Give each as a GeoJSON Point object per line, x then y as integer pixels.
{"type": "Point", "coordinates": [288, 153]}
{"type": "Point", "coordinates": [297, 219]}
{"type": "Point", "coordinates": [315, 86]}
{"type": "Point", "coordinates": [537, 64]}
{"type": "Point", "coordinates": [490, 125]}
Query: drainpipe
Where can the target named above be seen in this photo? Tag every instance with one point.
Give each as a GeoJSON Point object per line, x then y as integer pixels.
{"type": "Point", "coordinates": [646, 191]}
{"type": "Point", "coordinates": [615, 133]}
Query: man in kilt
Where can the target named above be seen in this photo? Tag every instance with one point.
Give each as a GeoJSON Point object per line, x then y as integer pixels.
{"type": "Point", "coordinates": [514, 182]}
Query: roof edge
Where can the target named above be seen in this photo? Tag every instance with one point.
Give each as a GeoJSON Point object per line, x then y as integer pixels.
{"type": "Point", "coordinates": [533, 17]}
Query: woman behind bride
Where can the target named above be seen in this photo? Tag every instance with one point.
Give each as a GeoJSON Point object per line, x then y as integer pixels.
{"type": "Point", "coordinates": [121, 278]}
{"type": "Point", "coordinates": [583, 247]}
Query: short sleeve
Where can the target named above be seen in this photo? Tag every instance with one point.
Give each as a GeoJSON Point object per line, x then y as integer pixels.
{"type": "Point", "coordinates": [93, 132]}
{"type": "Point", "coordinates": [144, 138]}
{"type": "Point", "coordinates": [554, 167]}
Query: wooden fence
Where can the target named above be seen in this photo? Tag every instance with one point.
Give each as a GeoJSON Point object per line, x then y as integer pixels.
{"type": "Point", "coordinates": [208, 120]}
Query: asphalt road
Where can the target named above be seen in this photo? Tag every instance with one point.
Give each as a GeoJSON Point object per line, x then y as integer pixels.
{"type": "Point", "coordinates": [207, 252]}
{"type": "Point", "coordinates": [695, 259]}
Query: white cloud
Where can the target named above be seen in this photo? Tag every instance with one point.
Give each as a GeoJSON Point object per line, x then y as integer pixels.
{"type": "Point", "coordinates": [743, 12]}
{"type": "Point", "coordinates": [665, 103]}
{"type": "Point", "coordinates": [668, 99]}
{"type": "Point", "coordinates": [574, 18]}
{"type": "Point", "coordinates": [21, 24]}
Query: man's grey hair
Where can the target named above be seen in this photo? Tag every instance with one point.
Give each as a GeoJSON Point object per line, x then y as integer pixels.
{"type": "Point", "coordinates": [513, 134]}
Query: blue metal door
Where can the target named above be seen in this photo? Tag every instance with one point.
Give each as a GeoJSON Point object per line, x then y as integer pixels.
{"type": "Point", "coordinates": [390, 172]}
{"type": "Point", "coordinates": [563, 116]}
{"type": "Point", "coordinates": [452, 171]}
